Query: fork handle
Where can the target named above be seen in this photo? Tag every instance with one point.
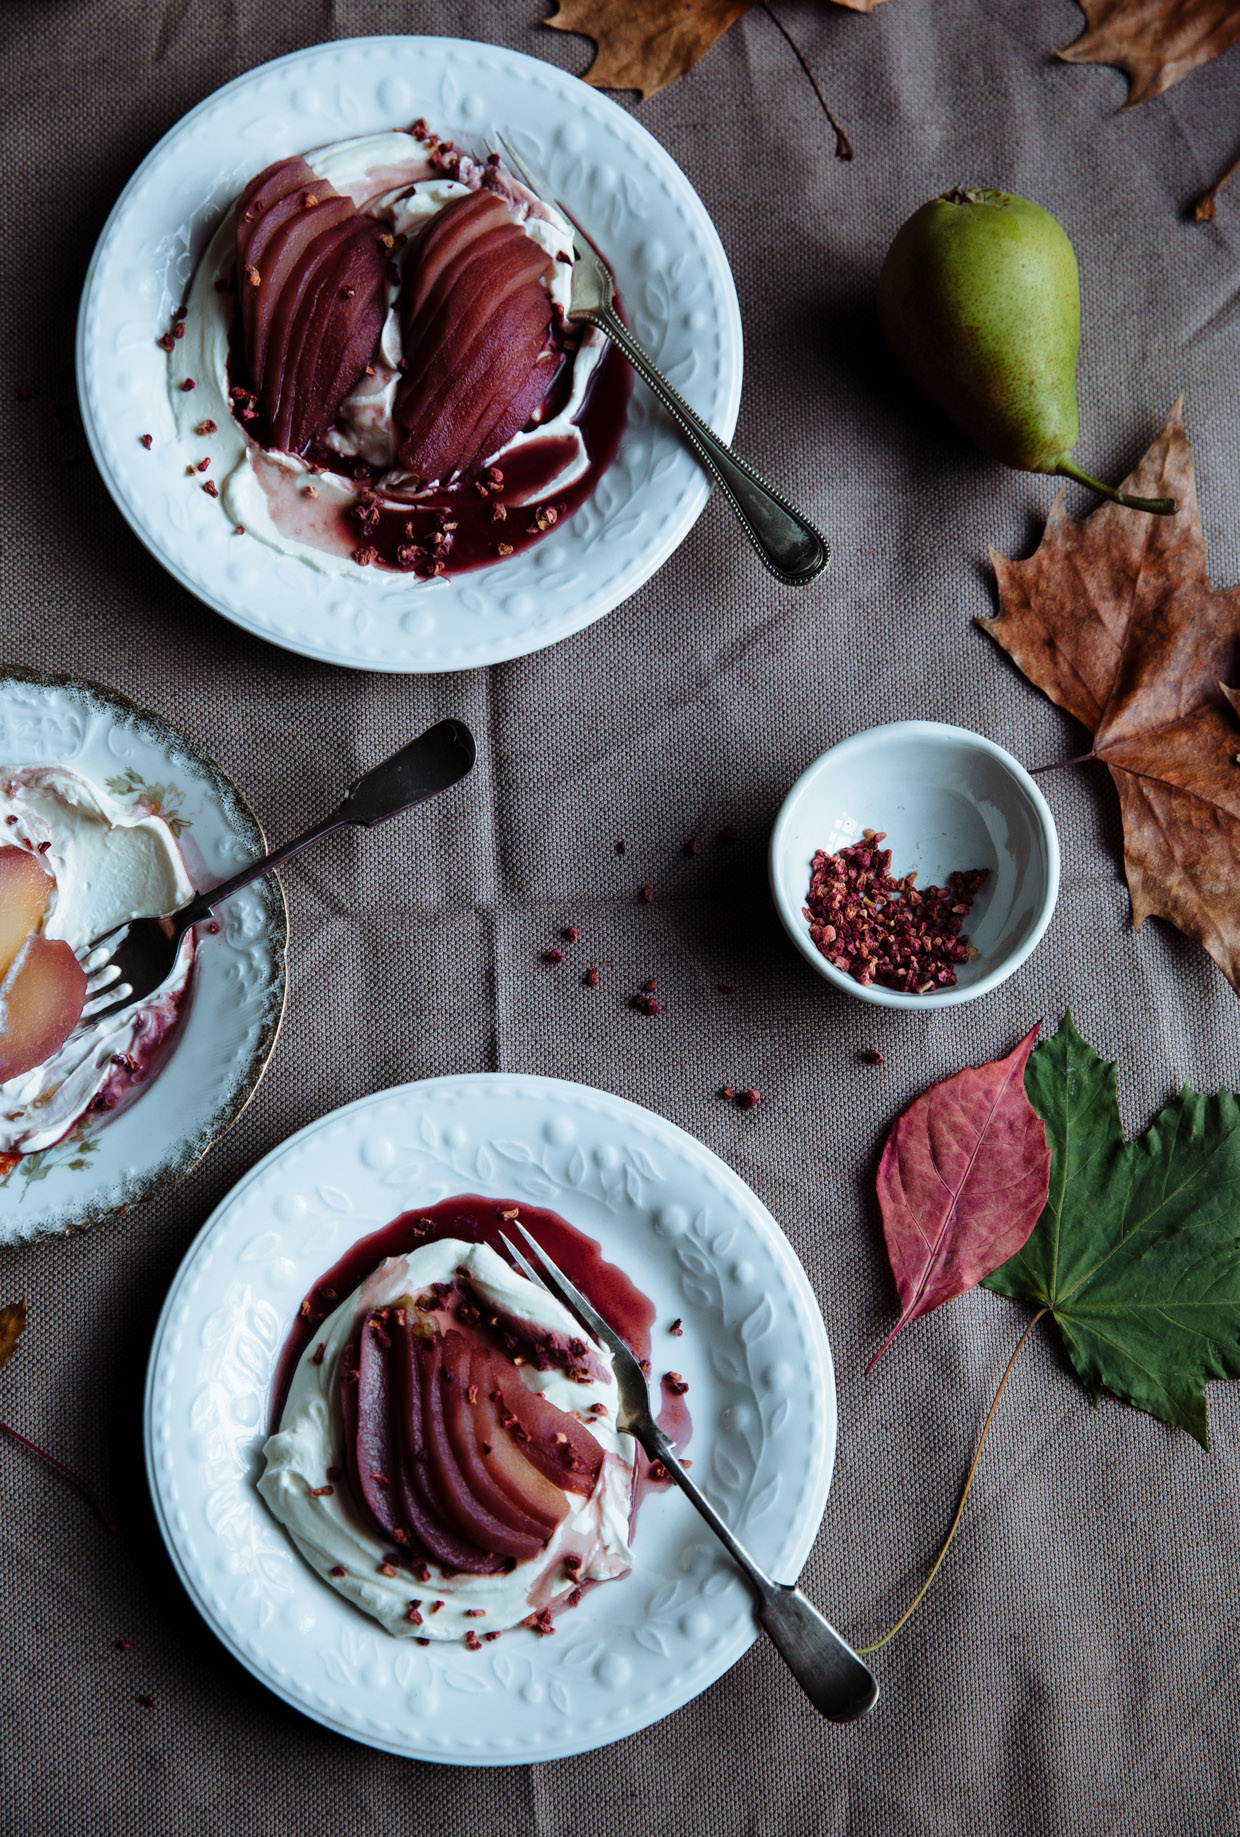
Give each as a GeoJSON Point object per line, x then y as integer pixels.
{"type": "Point", "coordinates": [428, 765]}
{"type": "Point", "coordinates": [787, 542]}
{"type": "Point", "coordinates": [838, 1684]}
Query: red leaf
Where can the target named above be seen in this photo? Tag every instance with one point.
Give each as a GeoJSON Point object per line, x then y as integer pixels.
{"type": "Point", "coordinates": [962, 1182]}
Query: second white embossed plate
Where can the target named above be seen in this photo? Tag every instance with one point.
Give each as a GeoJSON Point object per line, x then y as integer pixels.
{"type": "Point", "coordinates": [687, 1231]}
{"type": "Point", "coordinates": [673, 279]}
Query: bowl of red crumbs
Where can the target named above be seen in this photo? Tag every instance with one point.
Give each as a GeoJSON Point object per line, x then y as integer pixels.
{"type": "Point", "coordinates": [915, 865]}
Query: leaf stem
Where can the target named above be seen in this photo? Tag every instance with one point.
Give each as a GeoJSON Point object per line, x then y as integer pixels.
{"type": "Point", "coordinates": [1059, 765]}
{"type": "Point", "coordinates": [87, 1493]}
{"type": "Point", "coordinates": [1203, 209]}
{"type": "Point", "coordinates": [843, 146]}
{"type": "Point", "coordinates": [951, 1529]}
{"type": "Point", "coordinates": [1157, 507]}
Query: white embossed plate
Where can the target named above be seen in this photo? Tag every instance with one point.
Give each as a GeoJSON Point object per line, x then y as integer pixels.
{"type": "Point", "coordinates": [237, 992]}
{"type": "Point", "coordinates": [674, 282]}
{"type": "Point", "coordinates": [687, 1231]}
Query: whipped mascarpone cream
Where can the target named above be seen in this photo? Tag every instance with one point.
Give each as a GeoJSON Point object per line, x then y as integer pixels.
{"type": "Point", "coordinates": [327, 1529]}
{"type": "Point", "coordinates": [260, 488]}
{"type": "Point", "coordinates": [110, 865]}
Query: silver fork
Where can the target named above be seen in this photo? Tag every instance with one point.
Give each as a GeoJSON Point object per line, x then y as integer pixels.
{"type": "Point", "coordinates": [786, 541]}
{"type": "Point", "coordinates": [130, 963]}
{"type": "Point", "coordinates": [825, 1666]}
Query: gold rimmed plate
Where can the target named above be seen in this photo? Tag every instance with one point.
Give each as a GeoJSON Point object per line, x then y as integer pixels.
{"type": "Point", "coordinates": [239, 979]}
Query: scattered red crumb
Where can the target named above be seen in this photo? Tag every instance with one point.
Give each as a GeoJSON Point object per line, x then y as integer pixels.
{"type": "Point", "coordinates": [206, 427]}
{"type": "Point", "coordinates": [621, 846]}
{"type": "Point", "coordinates": [591, 978]}
{"type": "Point", "coordinates": [727, 1093]}
{"type": "Point", "coordinates": [570, 934]}
{"type": "Point", "coordinates": [320, 1349]}
{"type": "Point", "coordinates": [122, 1645]}
{"type": "Point", "coordinates": [337, 1569]}
{"type": "Point", "coordinates": [146, 441]}
{"type": "Point", "coordinates": [472, 1641]}
{"type": "Point", "coordinates": [675, 1383]}
{"type": "Point", "coordinates": [748, 1100]}
{"type": "Point", "coordinates": [646, 1004]}
{"type": "Point", "coordinates": [647, 894]}
{"type": "Point", "coordinates": [553, 956]}
{"type": "Point", "coordinates": [188, 384]}
{"type": "Point", "coordinates": [677, 1327]}
{"type": "Point", "coordinates": [872, 1055]}
{"type": "Point", "coordinates": [693, 846]}
{"type": "Point", "coordinates": [210, 488]}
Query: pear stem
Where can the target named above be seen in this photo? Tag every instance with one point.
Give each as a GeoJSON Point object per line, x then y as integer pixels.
{"type": "Point", "coordinates": [1157, 507]}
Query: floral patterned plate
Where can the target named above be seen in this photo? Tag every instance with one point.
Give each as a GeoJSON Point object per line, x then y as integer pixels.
{"type": "Point", "coordinates": [673, 279]}
{"type": "Point", "coordinates": [687, 1231]}
{"type": "Point", "coordinates": [238, 982]}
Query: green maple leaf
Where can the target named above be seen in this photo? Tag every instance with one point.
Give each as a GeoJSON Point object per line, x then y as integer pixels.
{"type": "Point", "coordinates": [1137, 1254]}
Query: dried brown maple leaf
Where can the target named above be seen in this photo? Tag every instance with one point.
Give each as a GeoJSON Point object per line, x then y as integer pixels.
{"type": "Point", "coordinates": [12, 1326]}
{"type": "Point", "coordinates": [646, 44]}
{"type": "Point", "coordinates": [1154, 42]}
{"type": "Point", "coordinates": [1116, 620]}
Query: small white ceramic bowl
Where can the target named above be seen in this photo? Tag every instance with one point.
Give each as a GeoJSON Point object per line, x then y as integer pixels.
{"type": "Point", "coordinates": [947, 799]}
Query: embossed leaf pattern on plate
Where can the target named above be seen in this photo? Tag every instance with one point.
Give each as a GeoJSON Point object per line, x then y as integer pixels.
{"type": "Point", "coordinates": [609, 172]}
{"type": "Point", "coordinates": [635, 1648]}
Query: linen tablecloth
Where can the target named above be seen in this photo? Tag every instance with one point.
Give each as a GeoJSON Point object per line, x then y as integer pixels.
{"type": "Point", "coordinates": [1073, 1669]}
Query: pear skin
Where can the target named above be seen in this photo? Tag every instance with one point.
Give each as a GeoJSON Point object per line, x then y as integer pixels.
{"type": "Point", "coordinates": [979, 298]}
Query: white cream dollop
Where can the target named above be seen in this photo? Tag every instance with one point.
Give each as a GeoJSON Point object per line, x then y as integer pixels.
{"type": "Point", "coordinates": [261, 490]}
{"type": "Point", "coordinates": [110, 865]}
{"type": "Point", "coordinates": [327, 1529]}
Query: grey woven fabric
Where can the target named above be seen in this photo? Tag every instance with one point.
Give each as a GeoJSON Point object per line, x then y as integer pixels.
{"type": "Point", "coordinates": [1073, 1670]}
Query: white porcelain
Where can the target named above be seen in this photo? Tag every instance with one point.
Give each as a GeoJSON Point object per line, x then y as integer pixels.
{"type": "Point", "coordinates": [238, 985]}
{"type": "Point", "coordinates": [948, 799]}
{"type": "Point", "coordinates": [673, 280]}
{"type": "Point", "coordinates": [692, 1237]}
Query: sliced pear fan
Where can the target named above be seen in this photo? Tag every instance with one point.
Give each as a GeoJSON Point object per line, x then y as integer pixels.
{"type": "Point", "coordinates": [474, 321]}
{"type": "Point", "coordinates": [312, 278]}
{"type": "Point", "coordinates": [449, 1452]}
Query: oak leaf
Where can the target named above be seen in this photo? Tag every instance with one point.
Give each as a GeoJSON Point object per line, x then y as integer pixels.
{"type": "Point", "coordinates": [1154, 42]}
{"type": "Point", "coordinates": [962, 1180]}
{"type": "Point", "coordinates": [646, 44]}
{"type": "Point", "coordinates": [1116, 621]}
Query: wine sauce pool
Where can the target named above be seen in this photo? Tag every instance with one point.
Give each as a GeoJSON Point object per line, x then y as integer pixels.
{"type": "Point", "coordinates": [476, 1220]}
{"type": "Point", "coordinates": [407, 535]}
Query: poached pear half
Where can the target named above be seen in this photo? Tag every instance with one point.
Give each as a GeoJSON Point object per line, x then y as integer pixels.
{"type": "Point", "coordinates": [980, 300]}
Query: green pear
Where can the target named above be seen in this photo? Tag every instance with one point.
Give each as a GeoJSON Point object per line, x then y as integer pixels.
{"type": "Point", "coordinates": [980, 300]}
